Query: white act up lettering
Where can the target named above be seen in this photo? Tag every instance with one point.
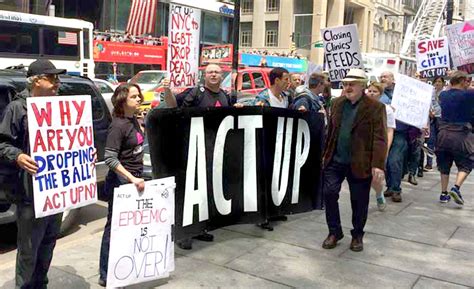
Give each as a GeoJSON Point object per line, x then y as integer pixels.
{"type": "Point", "coordinates": [250, 123]}
{"type": "Point", "coordinates": [300, 156]}
{"type": "Point", "coordinates": [196, 151]}
{"type": "Point", "coordinates": [279, 187]}
{"type": "Point", "coordinates": [223, 206]}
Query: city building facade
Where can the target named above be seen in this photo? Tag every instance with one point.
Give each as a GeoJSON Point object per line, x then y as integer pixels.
{"type": "Point", "coordinates": [274, 25]}
{"type": "Point", "coordinates": [388, 26]}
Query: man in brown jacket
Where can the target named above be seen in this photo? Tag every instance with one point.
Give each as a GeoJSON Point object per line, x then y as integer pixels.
{"type": "Point", "coordinates": [355, 150]}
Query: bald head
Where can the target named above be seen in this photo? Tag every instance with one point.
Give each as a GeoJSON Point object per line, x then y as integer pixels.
{"type": "Point", "coordinates": [387, 79]}
{"type": "Point", "coordinates": [213, 77]}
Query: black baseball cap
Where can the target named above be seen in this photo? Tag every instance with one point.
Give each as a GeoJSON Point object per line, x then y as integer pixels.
{"type": "Point", "coordinates": [43, 66]}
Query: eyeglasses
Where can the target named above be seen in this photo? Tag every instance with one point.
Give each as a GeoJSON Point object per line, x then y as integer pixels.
{"type": "Point", "coordinates": [53, 78]}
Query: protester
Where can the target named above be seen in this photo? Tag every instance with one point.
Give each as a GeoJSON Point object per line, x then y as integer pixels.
{"type": "Point", "coordinates": [375, 91]}
{"type": "Point", "coordinates": [124, 157]}
{"type": "Point", "coordinates": [455, 141]}
{"type": "Point", "coordinates": [356, 149]}
{"type": "Point", "coordinates": [435, 115]}
{"type": "Point", "coordinates": [36, 238]}
{"type": "Point", "coordinates": [274, 96]}
{"type": "Point", "coordinates": [295, 81]}
{"type": "Point", "coordinates": [208, 94]}
{"type": "Point", "coordinates": [307, 97]}
{"type": "Point", "coordinates": [398, 150]}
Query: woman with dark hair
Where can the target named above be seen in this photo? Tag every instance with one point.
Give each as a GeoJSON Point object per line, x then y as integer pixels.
{"type": "Point", "coordinates": [123, 156]}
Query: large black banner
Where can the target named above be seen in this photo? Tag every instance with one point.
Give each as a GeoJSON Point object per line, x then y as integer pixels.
{"type": "Point", "coordinates": [237, 165]}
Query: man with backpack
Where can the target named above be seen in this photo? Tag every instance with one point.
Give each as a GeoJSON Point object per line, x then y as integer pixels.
{"type": "Point", "coordinates": [307, 97]}
{"type": "Point", "coordinates": [208, 94]}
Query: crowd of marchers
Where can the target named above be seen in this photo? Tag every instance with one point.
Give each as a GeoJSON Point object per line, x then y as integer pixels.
{"type": "Point", "coordinates": [365, 145]}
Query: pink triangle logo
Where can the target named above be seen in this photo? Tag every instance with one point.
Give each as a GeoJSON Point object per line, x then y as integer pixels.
{"type": "Point", "coordinates": [218, 104]}
{"type": "Point", "coordinates": [467, 27]}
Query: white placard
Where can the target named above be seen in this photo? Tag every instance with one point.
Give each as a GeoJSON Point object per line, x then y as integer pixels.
{"type": "Point", "coordinates": [411, 100]}
{"type": "Point", "coordinates": [461, 42]}
{"type": "Point", "coordinates": [432, 57]}
{"type": "Point", "coordinates": [61, 137]}
{"type": "Point", "coordinates": [341, 50]}
{"type": "Point", "coordinates": [183, 40]}
{"type": "Point", "coordinates": [141, 239]}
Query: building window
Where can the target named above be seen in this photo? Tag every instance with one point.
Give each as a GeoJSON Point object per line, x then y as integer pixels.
{"type": "Point", "coordinates": [271, 33]}
{"type": "Point", "coordinates": [303, 6]}
{"type": "Point", "coordinates": [245, 34]}
{"type": "Point", "coordinates": [303, 31]}
{"type": "Point", "coordinates": [247, 6]}
{"type": "Point", "coordinates": [273, 5]}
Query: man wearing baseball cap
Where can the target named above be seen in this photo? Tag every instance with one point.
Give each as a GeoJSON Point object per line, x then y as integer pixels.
{"type": "Point", "coordinates": [36, 237]}
{"type": "Point", "coordinates": [355, 150]}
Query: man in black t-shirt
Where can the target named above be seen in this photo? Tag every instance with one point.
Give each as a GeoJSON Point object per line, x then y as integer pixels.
{"type": "Point", "coordinates": [208, 95]}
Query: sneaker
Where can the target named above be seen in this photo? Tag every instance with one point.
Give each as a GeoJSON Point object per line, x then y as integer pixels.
{"type": "Point", "coordinates": [381, 204]}
{"type": "Point", "coordinates": [428, 168]}
{"type": "Point", "coordinates": [444, 198]}
{"type": "Point", "coordinates": [397, 197]}
{"type": "Point", "coordinates": [456, 195]}
{"type": "Point", "coordinates": [412, 180]}
{"type": "Point", "coordinates": [206, 237]}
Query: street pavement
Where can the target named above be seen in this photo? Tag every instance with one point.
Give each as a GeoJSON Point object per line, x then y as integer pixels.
{"type": "Point", "coordinates": [418, 243]}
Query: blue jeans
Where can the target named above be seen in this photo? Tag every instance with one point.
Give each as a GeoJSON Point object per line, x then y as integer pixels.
{"type": "Point", "coordinates": [395, 161]}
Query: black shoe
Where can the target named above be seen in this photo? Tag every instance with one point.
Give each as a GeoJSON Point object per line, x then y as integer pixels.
{"type": "Point", "coordinates": [266, 226]}
{"type": "Point", "coordinates": [185, 244]}
{"type": "Point", "coordinates": [412, 180]}
{"type": "Point", "coordinates": [278, 218]}
{"type": "Point", "coordinates": [420, 173]}
{"type": "Point", "coordinates": [102, 282]}
{"type": "Point", "coordinates": [206, 237]}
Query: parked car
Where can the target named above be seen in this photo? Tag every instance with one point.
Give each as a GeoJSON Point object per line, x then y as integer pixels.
{"type": "Point", "coordinates": [13, 82]}
{"type": "Point", "coordinates": [107, 90]}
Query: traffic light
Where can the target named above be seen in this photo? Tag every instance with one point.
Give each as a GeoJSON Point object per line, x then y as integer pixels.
{"type": "Point", "coordinates": [385, 24]}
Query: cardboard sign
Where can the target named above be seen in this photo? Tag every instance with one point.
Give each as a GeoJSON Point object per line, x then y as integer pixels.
{"type": "Point", "coordinates": [183, 52]}
{"type": "Point", "coordinates": [432, 57]}
{"type": "Point", "coordinates": [412, 100]}
{"type": "Point", "coordinates": [461, 45]}
{"type": "Point", "coordinates": [237, 165]}
{"type": "Point", "coordinates": [141, 240]}
{"type": "Point", "coordinates": [61, 140]}
{"type": "Point", "coordinates": [341, 50]}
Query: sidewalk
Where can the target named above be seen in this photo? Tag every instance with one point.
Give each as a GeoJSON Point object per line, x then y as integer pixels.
{"type": "Point", "coordinates": [418, 243]}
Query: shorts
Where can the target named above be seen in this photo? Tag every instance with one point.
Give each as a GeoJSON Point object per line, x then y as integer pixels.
{"type": "Point", "coordinates": [445, 160]}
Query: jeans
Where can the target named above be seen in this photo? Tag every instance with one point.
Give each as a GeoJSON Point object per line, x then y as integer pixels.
{"type": "Point", "coordinates": [414, 155]}
{"type": "Point", "coordinates": [396, 158]}
{"type": "Point", "coordinates": [333, 176]}
{"type": "Point", "coordinates": [111, 182]}
{"type": "Point", "coordinates": [36, 241]}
